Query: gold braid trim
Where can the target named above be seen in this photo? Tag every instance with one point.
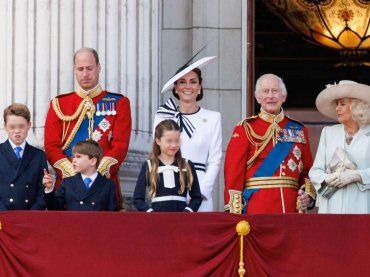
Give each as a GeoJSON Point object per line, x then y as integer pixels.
{"type": "Point", "coordinates": [309, 188]}
{"type": "Point", "coordinates": [66, 167]}
{"type": "Point", "coordinates": [86, 108]}
{"type": "Point", "coordinates": [105, 165]}
{"type": "Point", "coordinates": [66, 118]}
{"type": "Point", "coordinates": [272, 182]}
{"type": "Point", "coordinates": [235, 204]}
{"type": "Point", "coordinates": [260, 146]}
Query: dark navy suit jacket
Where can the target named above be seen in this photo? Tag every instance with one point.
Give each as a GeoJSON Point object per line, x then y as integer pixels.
{"type": "Point", "coordinates": [72, 195]}
{"type": "Point", "coordinates": [21, 180]}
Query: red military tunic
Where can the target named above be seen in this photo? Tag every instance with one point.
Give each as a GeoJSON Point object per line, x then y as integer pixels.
{"type": "Point", "coordinates": [112, 133]}
{"type": "Point", "coordinates": [278, 192]}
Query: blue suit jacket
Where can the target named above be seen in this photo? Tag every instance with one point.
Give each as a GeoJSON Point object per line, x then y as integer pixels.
{"type": "Point", "coordinates": [72, 195]}
{"type": "Point", "coordinates": [21, 180]}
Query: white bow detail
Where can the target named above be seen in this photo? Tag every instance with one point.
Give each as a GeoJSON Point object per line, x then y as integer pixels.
{"type": "Point", "coordinates": [168, 175]}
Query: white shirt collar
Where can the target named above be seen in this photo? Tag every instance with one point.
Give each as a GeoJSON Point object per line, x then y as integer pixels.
{"type": "Point", "coordinates": [23, 145]}
{"type": "Point", "coordinates": [92, 177]}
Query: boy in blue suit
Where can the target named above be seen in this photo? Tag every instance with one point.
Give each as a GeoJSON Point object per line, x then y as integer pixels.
{"type": "Point", "coordinates": [88, 190]}
{"type": "Point", "coordinates": [21, 165]}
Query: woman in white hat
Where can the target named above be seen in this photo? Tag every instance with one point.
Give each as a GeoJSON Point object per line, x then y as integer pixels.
{"type": "Point", "coordinates": [201, 134]}
{"type": "Point", "coordinates": [341, 171]}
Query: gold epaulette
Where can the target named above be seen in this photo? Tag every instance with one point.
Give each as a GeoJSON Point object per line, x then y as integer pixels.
{"type": "Point", "coordinates": [292, 119]}
{"type": "Point", "coordinates": [64, 94]}
{"type": "Point", "coordinates": [63, 117]}
{"type": "Point", "coordinates": [247, 119]}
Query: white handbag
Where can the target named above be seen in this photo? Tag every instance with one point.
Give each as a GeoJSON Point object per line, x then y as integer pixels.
{"type": "Point", "coordinates": [338, 163]}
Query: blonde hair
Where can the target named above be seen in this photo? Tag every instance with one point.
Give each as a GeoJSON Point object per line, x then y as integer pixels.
{"type": "Point", "coordinates": [186, 179]}
{"type": "Point", "coordinates": [360, 111]}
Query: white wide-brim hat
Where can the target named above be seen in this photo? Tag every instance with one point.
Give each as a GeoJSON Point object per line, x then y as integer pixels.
{"type": "Point", "coordinates": [326, 100]}
{"type": "Point", "coordinates": [198, 64]}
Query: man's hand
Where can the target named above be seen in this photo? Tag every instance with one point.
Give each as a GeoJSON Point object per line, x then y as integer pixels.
{"type": "Point", "coordinates": [347, 177]}
{"type": "Point", "coordinates": [47, 180]}
{"type": "Point", "coordinates": [304, 200]}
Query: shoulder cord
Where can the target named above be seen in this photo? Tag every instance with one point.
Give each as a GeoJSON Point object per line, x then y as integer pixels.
{"type": "Point", "coordinates": [264, 140]}
{"type": "Point", "coordinates": [86, 107]}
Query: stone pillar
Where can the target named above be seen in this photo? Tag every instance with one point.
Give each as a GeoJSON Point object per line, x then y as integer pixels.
{"type": "Point", "coordinates": [219, 23]}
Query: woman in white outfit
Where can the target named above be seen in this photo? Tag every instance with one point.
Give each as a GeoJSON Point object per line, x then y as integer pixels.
{"type": "Point", "coordinates": [342, 163]}
{"type": "Point", "coordinates": [201, 133]}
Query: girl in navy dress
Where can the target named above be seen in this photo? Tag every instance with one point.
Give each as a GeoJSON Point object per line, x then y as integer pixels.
{"type": "Point", "coordinates": [166, 176]}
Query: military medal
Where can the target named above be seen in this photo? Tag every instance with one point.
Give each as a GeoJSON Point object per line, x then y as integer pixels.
{"type": "Point", "coordinates": [291, 135]}
{"type": "Point", "coordinates": [114, 112]}
{"type": "Point", "coordinates": [109, 110]}
{"type": "Point", "coordinates": [98, 112]}
{"type": "Point", "coordinates": [103, 112]}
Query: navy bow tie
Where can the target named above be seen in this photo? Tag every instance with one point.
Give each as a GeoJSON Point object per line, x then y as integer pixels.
{"type": "Point", "coordinates": [169, 110]}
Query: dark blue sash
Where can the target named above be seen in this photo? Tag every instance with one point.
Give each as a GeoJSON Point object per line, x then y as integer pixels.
{"type": "Point", "coordinates": [272, 161]}
{"type": "Point", "coordinates": [83, 132]}
{"type": "Point", "coordinates": [277, 154]}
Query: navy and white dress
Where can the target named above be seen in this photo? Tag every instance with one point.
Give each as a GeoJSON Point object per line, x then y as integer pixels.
{"type": "Point", "coordinates": [201, 142]}
{"type": "Point", "coordinates": [167, 198]}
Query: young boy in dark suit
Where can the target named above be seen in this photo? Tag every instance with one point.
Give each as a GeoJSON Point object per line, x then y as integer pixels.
{"type": "Point", "coordinates": [88, 190]}
{"type": "Point", "coordinates": [21, 165]}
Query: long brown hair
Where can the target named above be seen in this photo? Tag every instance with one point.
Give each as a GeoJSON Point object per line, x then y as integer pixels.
{"type": "Point", "coordinates": [186, 179]}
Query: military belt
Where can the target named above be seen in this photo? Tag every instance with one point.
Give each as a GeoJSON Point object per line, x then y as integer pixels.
{"type": "Point", "coordinates": [272, 182]}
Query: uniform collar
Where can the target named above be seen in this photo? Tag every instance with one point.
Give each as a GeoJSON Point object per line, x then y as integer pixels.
{"type": "Point", "coordinates": [90, 93]}
{"type": "Point", "coordinates": [271, 118]}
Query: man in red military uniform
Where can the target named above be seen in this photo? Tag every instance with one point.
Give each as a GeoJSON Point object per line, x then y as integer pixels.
{"type": "Point", "coordinates": [88, 113]}
{"type": "Point", "coordinates": [268, 158]}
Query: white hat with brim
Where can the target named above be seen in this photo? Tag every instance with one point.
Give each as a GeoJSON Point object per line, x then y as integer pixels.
{"type": "Point", "coordinates": [198, 64]}
{"type": "Point", "coordinates": [326, 100]}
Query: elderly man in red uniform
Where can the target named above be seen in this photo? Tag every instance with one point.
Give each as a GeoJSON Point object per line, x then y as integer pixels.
{"type": "Point", "coordinates": [88, 113]}
{"type": "Point", "coordinates": [268, 158]}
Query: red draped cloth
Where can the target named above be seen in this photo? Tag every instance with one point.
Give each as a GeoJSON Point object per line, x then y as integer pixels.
{"type": "Point", "coordinates": [181, 244]}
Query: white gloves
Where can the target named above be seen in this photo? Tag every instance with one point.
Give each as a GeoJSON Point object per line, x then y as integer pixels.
{"type": "Point", "coordinates": [344, 178]}
{"type": "Point", "coordinates": [330, 178]}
